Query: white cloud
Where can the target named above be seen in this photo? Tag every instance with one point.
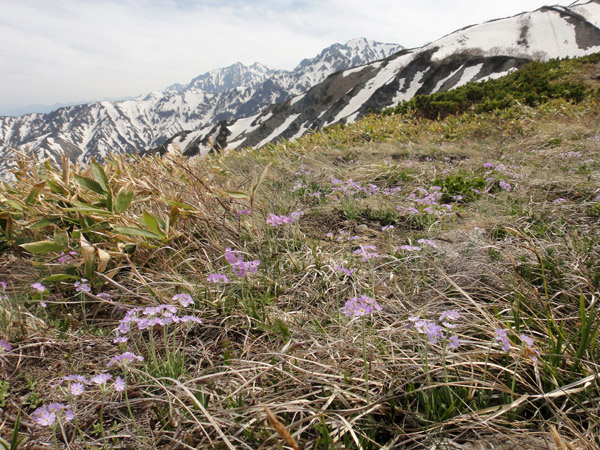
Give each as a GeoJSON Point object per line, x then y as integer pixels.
{"type": "Point", "coordinates": [72, 50]}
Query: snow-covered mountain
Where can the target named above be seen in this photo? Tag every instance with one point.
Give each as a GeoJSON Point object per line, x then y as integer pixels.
{"type": "Point", "coordinates": [474, 53]}
{"type": "Point", "coordinates": [95, 129]}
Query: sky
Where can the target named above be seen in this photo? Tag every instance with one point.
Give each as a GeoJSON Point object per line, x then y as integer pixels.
{"type": "Point", "coordinates": [70, 51]}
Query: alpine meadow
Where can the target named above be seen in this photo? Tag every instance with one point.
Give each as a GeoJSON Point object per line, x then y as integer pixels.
{"type": "Point", "coordinates": [414, 270]}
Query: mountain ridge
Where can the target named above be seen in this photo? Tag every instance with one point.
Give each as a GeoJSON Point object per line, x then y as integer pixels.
{"type": "Point", "coordinates": [474, 53]}
{"type": "Point", "coordinates": [93, 130]}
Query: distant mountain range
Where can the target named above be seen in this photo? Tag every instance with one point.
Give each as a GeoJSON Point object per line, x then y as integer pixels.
{"type": "Point", "coordinates": [95, 129]}
{"type": "Point", "coordinates": [474, 53]}
{"type": "Point", "coordinates": [250, 106]}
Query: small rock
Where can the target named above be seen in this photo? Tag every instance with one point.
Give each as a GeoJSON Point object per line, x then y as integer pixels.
{"type": "Point", "coordinates": [362, 228]}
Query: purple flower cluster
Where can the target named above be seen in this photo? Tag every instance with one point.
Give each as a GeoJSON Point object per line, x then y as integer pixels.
{"type": "Point", "coordinates": [408, 248]}
{"type": "Point", "coordinates": [367, 252]}
{"type": "Point", "coordinates": [66, 258]}
{"type": "Point", "coordinates": [571, 154]}
{"type": "Point", "coordinates": [105, 296]}
{"type": "Point", "coordinates": [427, 201]}
{"type": "Point", "coordinates": [275, 220]}
{"type": "Point", "coordinates": [559, 200]}
{"type": "Point", "coordinates": [47, 415]}
{"type": "Point", "coordinates": [436, 332]}
{"type": "Point", "coordinates": [530, 346]}
{"type": "Point", "coordinates": [144, 318]}
{"type": "Point", "coordinates": [39, 287]}
{"type": "Point", "coordinates": [505, 186]}
{"type": "Point", "coordinates": [184, 299]}
{"type": "Point", "coordinates": [350, 188]}
{"type": "Point", "coordinates": [360, 306]}
{"type": "Point", "coordinates": [240, 267]}
{"type": "Point", "coordinates": [299, 185]}
{"type": "Point", "coordinates": [427, 242]}
{"type": "Point", "coordinates": [216, 278]}
{"type": "Point", "coordinates": [343, 235]}
{"type": "Point", "coordinates": [124, 359]}
{"type": "Point", "coordinates": [345, 271]}
{"type": "Point", "coordinates": [502, 339]}
{"type": "Point", "coordinates": [82, 286]}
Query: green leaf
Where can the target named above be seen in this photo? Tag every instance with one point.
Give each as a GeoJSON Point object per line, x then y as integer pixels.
{"type": "Point", "coordinates": [42, 224]}
{"type": "Point", "coordinates": [43, 247]}
{"type": "Point", "coordinates": [131, 231]}
{"type": "Point", "coordinates": [60, 277]}
{"type": "Point", "coordinates": [15, 204]}
{"type": "Point", "coordinates": [100, 176]}
{"type": "Point", "coordinates": [109, 200]}
{"type": "Point", "coordinates": [152, 223]}
{"type": "Point", "coordinates": [89, 210]}
{"type": "Point", "coordinates": [123, 200]}
{"type": "Point", "coordinates": [237, 194]}
{"type": "Point", "coordinates": [90, 184]}
{"type": "Point", "coordinates": [35, 193]}
{"type": "Point", "coordinates": [61, 237]}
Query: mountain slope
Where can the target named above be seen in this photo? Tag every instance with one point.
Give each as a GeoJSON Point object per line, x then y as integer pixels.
{"type": "Point", "coordinates": [474, 53]}
{"type": "Point", "coordinates": [95, 129]}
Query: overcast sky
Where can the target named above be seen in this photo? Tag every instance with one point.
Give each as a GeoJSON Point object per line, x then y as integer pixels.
{"type": "Point", "coordinates": [80, 50]}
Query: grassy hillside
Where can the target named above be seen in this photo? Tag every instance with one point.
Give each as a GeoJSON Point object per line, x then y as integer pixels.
{"type": "Point", "coordinates": [399, 282]}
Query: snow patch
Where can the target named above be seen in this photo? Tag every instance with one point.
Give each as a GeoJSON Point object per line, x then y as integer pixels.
{"type": "Point", "coordinates": [280, 129]}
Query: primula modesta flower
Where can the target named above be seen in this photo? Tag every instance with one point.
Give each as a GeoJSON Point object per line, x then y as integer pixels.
{"type": "Point", "coordinates": [449, 314]}
{"type": "Point", "coordinates": [185, 299]}
{"type": "Point", "coordinates": [345, 271]}
{"type": "Point", "coordinates": [360, 306]}
{"type": "Point", "coordinates": [5, 345]}
{"type": "Point", "coordinates": [38, 287]}
{"type": "Point", "coordinates": [105, 296]}
{"type": "Point", "coordinates": [428, 242]}
{"type": "Point", "coordinates": [527, 340]}
{"type": "Point", "coordinates": [82, 286]}
{"type": "Point", "coordinates": [433, 331]}
{"type": "Point", "coordinates": [217, 277]}
{"type": "Point", "coordinates": [2, 285]}
{"type": "Point", "coordinates": [410, 248]}
{"type": "Point", "coordinates": [367, 252]}
{"type": "Point", "coordinates": [101, 378]}
{"type": "Point", "coordinates": [238, 266]}
{"type": "Point", "coordinates": [453, 342]}
{"type": "Point", "coordinates": [529, 343]}
{"type": "Point", "coordinates": [77, 389]}
{"type": "Point", "coordinates": [43, 417]}
{"type": "Point", "coordinates": [47, 415]}
{"type": "Point", "coordinates": [124, 359]}
{"type": "Point", "coordinates": [502, 339]}
{"type": "Point", "coordinates": [119, 384]}
{"type": "Point", "coordinates": [504, 185]}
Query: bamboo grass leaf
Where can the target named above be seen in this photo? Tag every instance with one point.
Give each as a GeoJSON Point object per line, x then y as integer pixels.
{"type": "Point", "coordinates": [43, 247]}
{"type": "Point", "coordinates": [132, 231]}
{"type": "Point", "coordinates": [100, 176]}
{"type": "Point", "coordinates": [123, 200]}
{"type": "Point", "coordinates": [90, 184]}
{"type": "Point", "coordinates": [35, 193]}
